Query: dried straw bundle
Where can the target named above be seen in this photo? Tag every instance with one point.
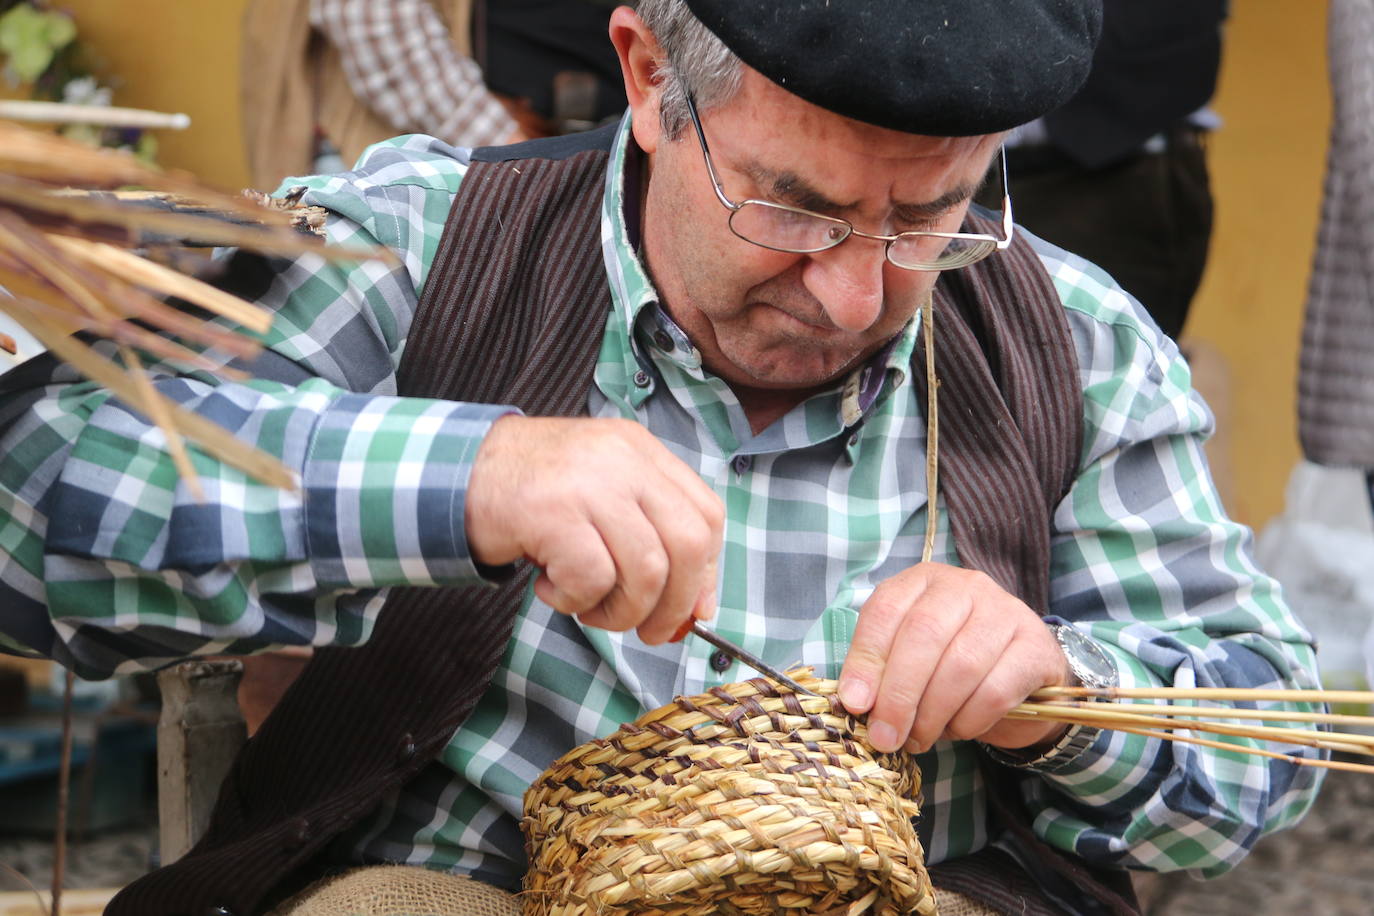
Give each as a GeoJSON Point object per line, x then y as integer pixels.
{"type": "Point", "coordinates": [72, 258]}
{"type": "Point", "coordinates": [748, 799]}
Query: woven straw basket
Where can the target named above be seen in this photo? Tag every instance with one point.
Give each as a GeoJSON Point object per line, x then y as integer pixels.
{"type": "Point", "coordinates": [748, 799]}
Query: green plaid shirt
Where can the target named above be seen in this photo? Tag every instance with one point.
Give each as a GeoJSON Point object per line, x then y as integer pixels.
{"type": "Point", "coordinates": [111, 566]}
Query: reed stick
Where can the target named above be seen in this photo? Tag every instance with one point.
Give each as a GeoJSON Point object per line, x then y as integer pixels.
{"type": "Point", "coordinates": [89, 300]}
{"type": "Point", "coordinates": [127, 327]}
{"type": "Point", "coordinates": [42, 156]}
{"type": "Point", "coordinates": [1241, 694]}
{"type": "Point", "coordinates": [932, 430]}
{"type": "Point", "coordinates": [59, 209]}
{"type": "Point", "coordinates": [76, 168]}
{"type": "Point", "coordinates": [1109, 718]}
{"type": "Point", "coordinates": [68, 321]}
{"type": "Point", "coordinates": [103, 115]}
{"type": "Point", "coordinates": [157, 408]}
{"type": "Point", "coordinates": [204, 231]}
{"type": "Point", "coordinates": [208, 435]}
{"type": "Point", "coordinates": [134, 269]}
{"type": "Point", "coordinates": [1225, 712]}
{"type": "Point", "coordinates": [1254, 751]}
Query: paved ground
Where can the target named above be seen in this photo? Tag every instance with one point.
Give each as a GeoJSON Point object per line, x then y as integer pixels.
{"type": "Point", "coordinates": [110, 859]}
{"type": "Point", "coordinates": [1322, 867]}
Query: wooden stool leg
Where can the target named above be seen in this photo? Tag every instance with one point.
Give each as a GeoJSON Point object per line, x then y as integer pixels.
{"type": "Point", "coordinates": [198, 736]}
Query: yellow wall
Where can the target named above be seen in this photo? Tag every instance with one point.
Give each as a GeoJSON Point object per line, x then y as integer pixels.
{"type": "Point", "coordinates": [175, 56]}
{"type": "Point", "coordinates": [1266, 163]}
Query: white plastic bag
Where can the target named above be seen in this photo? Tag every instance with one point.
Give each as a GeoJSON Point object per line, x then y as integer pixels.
{"type": "Point", "coordinates": [1369, 656]}
{"type": "Point", "coordinates": [1322, 550]}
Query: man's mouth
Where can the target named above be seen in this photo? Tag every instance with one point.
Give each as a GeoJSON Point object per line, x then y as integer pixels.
{"type": "Point", "coordinates": [817, 323]}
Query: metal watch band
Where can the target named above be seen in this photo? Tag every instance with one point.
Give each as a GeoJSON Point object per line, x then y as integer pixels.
{"type": "Point", "coordinates": [1060, 754]}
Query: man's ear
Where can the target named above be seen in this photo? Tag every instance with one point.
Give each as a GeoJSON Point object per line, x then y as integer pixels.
{"type": "Point", "coordinates": [640, 57]}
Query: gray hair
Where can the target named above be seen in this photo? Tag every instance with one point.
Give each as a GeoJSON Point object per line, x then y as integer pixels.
{"type": "Point", "coordinates": [697, 62]}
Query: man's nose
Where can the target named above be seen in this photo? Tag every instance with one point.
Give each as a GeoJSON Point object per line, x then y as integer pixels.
{"type": "Point", "coordinates": [847, 280]}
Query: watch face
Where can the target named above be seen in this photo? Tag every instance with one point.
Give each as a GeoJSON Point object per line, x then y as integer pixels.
{"type": "Point", "coordinates": [1089, 662]}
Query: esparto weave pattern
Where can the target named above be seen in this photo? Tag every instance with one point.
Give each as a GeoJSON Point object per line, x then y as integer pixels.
{"type": "Point", "coordinates": [747, 799]}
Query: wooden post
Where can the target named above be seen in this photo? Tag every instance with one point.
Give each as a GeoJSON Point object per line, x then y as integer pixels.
{"type": "Point", "coordinates": [200, 732]}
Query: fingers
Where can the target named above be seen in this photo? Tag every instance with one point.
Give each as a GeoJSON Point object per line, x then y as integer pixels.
{"type": "Point", "coordinates": [1032, 659]}
{"type": "Point", "coordinates": [707, 602]}
{"type": "Point", "coordinates": [665, 560]}
{"type": "Point", "coordinates": [626, 534]}
{"type": "Point", "coordinates": [690, 520]}
{"type": "Point", "coordinates": [962, 694]}
{"type": "Point", "coordinates": [898, 643]}
{"type": "Point", "coordinates": [875, 635]}
{"type": "Point", "coordinates": [601, 570]}
{"type": "Point", "coordinates": [945, 652]}
{"type": "Point", "coordinates": [711, 511]}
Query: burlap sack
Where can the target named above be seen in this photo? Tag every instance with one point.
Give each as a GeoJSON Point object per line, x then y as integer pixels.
{"type": "Point", "coordinates": [948, 903]}
{"type": "Point", "coordinates": [399, 890]}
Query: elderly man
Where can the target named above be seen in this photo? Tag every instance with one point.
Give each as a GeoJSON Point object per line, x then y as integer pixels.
{"type": "Point", "coordinates": [717, 311]}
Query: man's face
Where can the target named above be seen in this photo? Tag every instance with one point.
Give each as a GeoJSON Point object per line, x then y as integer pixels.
{"type": "Point", "coordinates": [774, 320]}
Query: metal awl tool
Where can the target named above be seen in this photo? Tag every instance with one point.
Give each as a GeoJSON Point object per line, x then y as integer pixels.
{"type": "Point", "coordinates": [735, 652]}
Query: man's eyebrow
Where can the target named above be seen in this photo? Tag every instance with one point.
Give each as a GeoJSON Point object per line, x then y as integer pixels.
{"type": "Point", "coordinates": [790, 188]}
{"type": "Point", "coordinates": [929, 210]}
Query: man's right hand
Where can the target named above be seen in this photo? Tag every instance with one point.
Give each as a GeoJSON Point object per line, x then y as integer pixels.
{"type": "Point", "coordinates": [626, 535]}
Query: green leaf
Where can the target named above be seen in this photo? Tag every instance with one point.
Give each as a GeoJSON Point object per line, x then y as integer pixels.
{"type": "Point", "coordinates": [88, 134]}
{"type": "Point", "coordinates": [146, 151]}
{"type": "Point", "coordinates": [30, 38]}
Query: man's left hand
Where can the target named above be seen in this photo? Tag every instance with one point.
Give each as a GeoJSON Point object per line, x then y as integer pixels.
{"type": "Point", "coordinates": [944, 652]}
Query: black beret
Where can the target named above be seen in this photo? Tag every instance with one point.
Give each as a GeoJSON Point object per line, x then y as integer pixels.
{"type": "Point", "coordinates": [945, 68]}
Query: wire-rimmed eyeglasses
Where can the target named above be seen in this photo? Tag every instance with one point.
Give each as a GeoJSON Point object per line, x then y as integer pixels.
{"type": "Point", "coordinates": [781, 227]}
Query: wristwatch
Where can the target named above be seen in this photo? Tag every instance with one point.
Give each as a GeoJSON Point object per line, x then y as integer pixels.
{"type": "Point", "coordinates": [1090, 667]}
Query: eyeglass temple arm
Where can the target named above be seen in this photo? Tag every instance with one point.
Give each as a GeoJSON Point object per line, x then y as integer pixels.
{"type": "Point", "coordinates": [1007, 229]}
{"type": "Point", "coordinates": [706, 155]}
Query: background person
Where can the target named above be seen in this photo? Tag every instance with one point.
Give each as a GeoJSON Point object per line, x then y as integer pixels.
{"type": "Point", "coordinates": [1129, 152]}
{"type": "Point", "coordinates": [331, 77]}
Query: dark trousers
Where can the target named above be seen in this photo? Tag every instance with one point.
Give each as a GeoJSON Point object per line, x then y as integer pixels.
{"type": "Point", "coordinates": [1146, 221]}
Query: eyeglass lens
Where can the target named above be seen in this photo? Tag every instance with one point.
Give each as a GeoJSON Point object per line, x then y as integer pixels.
{"type": "Point", "coordinates": [792, 230]}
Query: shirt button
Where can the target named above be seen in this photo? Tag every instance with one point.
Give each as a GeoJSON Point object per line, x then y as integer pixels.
{"type": "Point", "coordinates": [219, 911]}
{"type": "Point", "coordinates": [742, 463]}
{"type": "Point", "coordinates": [721, 661]}
{"type": "Point", "coordinates": [641, 379]}
{"type": "Point", "coordinates": [664, 341]}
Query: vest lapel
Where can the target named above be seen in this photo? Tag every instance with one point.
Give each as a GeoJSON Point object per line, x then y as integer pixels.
{"type": "Point", "coordinates": [1011, 411]}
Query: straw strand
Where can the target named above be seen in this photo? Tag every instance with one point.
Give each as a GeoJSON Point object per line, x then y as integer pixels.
{"type": "Point", "coordinates": [1253, 751]}
{"type": "Point", "coordinates": [1112, 718]}
{"type": "Point", "coordinates": [1224, 712]}
{"type": "Point", "coordinates": [1240, 694]}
